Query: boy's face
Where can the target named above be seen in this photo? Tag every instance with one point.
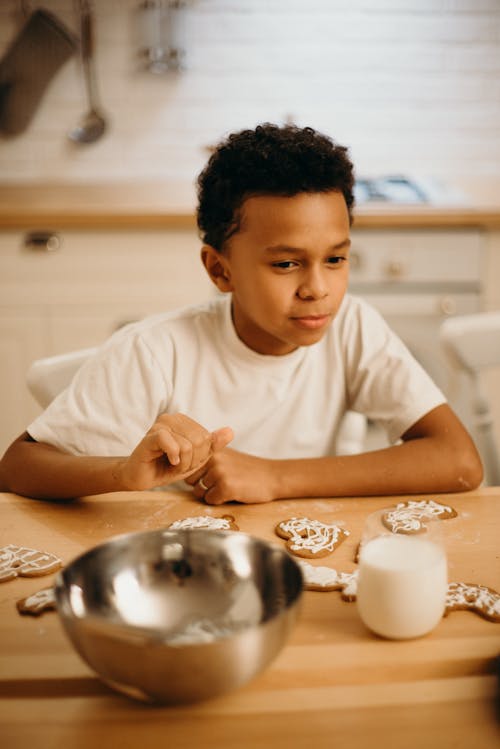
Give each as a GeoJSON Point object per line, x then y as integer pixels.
{"type": "Point", "coordinates": [287, 269]}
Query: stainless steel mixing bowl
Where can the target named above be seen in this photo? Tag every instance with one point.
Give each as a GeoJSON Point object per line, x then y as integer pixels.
{"type": "Point", "coordinates": [179, 615]}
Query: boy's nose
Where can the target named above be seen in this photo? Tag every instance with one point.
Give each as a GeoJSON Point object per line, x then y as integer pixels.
{"type": "Point", "coordinates": [313, 286]}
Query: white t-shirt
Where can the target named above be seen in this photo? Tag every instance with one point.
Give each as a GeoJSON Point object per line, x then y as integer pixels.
{"type": "Point", "coordinates": [191, 361]}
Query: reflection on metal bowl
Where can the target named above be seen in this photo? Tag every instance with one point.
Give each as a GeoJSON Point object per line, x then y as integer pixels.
{"type": "Point", "coordinates": [179, 616]}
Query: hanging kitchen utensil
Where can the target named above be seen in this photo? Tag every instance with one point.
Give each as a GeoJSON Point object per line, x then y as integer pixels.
{"type": "Point", "coordinates": [40, 48]}
{"type": "Point", "coordinates": [93, 123]}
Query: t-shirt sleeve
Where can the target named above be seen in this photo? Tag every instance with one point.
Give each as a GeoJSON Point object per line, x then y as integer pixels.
{"type": "Point", "coordinates": [384, 381]}
{"type": "Point", "coordinates": [111, 403]}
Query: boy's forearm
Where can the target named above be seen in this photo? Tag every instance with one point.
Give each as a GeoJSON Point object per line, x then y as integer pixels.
{"type": "Point", "coordinates": [413, 467]}
{"type": "Point", "coordinates": [437, 455]}
{"type": "Point", "coordinates": [38, 470]}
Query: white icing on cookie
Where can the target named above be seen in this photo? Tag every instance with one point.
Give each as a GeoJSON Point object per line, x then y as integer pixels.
{"type": "Point", "coordinates": [408, 517]}
{"type": "Point", "coordinates": [24, 562]}
{"type": "Point", "coordinates": [40, 601]}
{"type": "Point", "coordinates": [350, 585]}
{"type": "Point", "coordinates": [204, 521]}
{"type": "Point", "coordinates": [323, 577]}
{"type": "Point", "coordinates": [329, 579]}
{"type": "Point", "coordinates": [7, 559]}
{"type": "Point", "coordinates": [311, 537]}
{"type": "Point", "coordinates": [476, 597]}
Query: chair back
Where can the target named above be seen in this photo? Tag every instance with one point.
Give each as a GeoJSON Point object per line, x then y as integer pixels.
{"type": "Point", "coordinates": [47, 377]}
{"type": "Point", "coordinates": [472, 345]}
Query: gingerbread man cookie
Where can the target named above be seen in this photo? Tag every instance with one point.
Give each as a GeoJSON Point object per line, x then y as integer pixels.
{"type": "Point", "coordinates": [409, 517]}
{"type": "Point", "coordinates": [310, 538]}
{"type": "Point", "coordinates": [479, 598]}
{"type": "Point", "coordinates": [224, 523]}
{"type": "Point", "coordinates": [326, 578]}
{"type": "Point", "coordinates": [37, 603]}
{"type": "Point", "coordinates": [19, 561]}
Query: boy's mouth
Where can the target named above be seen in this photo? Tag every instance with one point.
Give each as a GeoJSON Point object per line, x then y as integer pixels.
{"type": "Point", "coordinates": [312, 322]}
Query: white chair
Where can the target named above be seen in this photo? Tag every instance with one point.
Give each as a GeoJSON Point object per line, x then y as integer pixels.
{"type": "Point", "coordinates": [47, 377]}
{"type": "Point", "coordinates": [472, 345]}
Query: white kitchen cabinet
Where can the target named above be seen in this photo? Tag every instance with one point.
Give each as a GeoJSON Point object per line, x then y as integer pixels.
{"type": "Point", "coordinates": [76, 296]}
{"type": "Point", "coordinates": [420, 257]}
{"type": "Point", "coordinates": [492, 302]}
{"type": "Point", "coordinates": [22, 339]}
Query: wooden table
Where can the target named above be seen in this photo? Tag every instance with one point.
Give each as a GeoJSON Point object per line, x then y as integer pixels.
{"type": "Point", "coordinates": [333, 685]}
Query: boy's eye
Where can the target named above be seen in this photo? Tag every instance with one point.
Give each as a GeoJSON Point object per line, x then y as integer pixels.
{"type": "Point", "coordinates": [290, 264]}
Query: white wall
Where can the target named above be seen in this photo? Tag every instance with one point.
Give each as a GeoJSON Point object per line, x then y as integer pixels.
{"type": "Point", "coordinates": [410, 85]}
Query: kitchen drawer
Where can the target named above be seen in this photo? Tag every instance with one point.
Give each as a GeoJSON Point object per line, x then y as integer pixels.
{"type": "Point", "coordinates": [101, 267]}
{"type": "Point", "coordinates": [417, 256]}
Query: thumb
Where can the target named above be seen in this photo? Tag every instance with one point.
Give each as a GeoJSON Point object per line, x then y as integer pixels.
{"type": "Point", "coordinates": [221, 438]}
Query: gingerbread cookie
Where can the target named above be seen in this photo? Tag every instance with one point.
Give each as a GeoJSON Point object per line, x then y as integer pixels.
{"type": "Point", "coordinates": [37, 603]}
{"type": "Point", "coordinates": [471, 597]}
{"type": "Point", "coordinates": [224, 523]}
{"type": "Point", "coordinates": [409, 517]}
{"type": "Point", "coordinates": [310, 538]}
{"type": "Point", "coordinates": [19, 561]}
{"type": "Point", "coordinates": [326, 578]}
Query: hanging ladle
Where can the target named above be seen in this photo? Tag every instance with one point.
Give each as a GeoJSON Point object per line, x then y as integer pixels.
{"type": "Point", "coordinates": [93, 124]}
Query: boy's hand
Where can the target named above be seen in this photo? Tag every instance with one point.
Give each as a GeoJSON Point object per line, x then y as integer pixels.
{"type": "Point", "coordinates": [173, 448]}
{"type": "Point", "coordinates": [234, 476]}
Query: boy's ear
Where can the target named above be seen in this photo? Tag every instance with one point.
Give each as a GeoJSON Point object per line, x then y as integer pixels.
{"type": "Point", "coordinates": [217, 267]}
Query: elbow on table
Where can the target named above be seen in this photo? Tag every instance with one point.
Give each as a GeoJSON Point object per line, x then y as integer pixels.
{"type": "Point", "coordinates": [468, 469]}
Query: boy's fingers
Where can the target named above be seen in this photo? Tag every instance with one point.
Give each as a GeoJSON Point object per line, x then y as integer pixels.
{"type": "Point", "coordinates": [185, 452]}
{"type": "Point", "coordinates": [221, 438]}
{"type": "Point", "coordinates": [163, 441]}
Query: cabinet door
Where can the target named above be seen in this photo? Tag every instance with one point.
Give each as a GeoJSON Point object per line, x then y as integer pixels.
{"type": "Point", "coordinates": [22, 339]}
{"type": "Point", "coordinates": [492, 303]}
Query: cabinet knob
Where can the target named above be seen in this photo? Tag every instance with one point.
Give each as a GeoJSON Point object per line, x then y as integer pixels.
{"type": "Point", "coordinates": [355, 261]}
{"type": "Point", "coordinates": [45, 241]}
{"type": "Point", "coordinates": [447, 305]}
{"type": "Point", "coordinates": [395, 269]}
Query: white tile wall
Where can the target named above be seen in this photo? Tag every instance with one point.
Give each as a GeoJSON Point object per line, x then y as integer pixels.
{"type": "Point", "coordinates": [410, 85]}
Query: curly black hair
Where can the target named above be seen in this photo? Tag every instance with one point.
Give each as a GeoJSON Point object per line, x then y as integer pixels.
{"type": "Point", "coordinates": [270, 160]}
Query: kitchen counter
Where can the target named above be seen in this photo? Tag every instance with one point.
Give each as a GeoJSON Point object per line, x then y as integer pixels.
{"type": "Point", "coordinates": [333, 684]}
{"type": "Point", "coordinates": [171, 205]}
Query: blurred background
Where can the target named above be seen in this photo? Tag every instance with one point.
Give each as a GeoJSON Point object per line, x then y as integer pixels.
{"type": "Point", "coordinates": [411, 86]}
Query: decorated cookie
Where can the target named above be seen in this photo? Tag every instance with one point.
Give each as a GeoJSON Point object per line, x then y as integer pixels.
{"type": "Point", "coordinates": [326, 578]}
{"type": "Point", "coordinates": [37, 603]}
{"type": "Point", "coordinates": [310, 538]}
{"type": "Point", "coordinates": [468, 596]}
{"type": "Point", "coordinates": [19, 561]}
{"type": "Point", "coordinates": [409, 517]}
{"type": "Point", "coordinates": [224, 523]}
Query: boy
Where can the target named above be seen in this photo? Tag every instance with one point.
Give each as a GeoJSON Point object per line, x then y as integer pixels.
{"type": "Point", "coordinates": [280, 355]}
